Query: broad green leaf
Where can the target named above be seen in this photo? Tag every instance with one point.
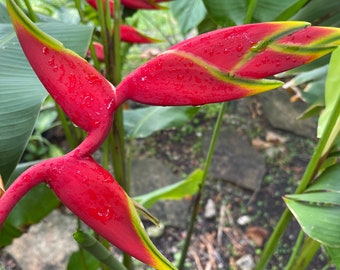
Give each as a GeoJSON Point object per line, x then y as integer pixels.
{"type": "Point", "coordinates": [188, 13]}
{"type": "Point", "coordinates": [8, 233]}
{"type": "Point", "coordinates": [329, 180]}
{"type": "Point", "coordinates": [332, 99]}
{"type": "Point", "coordinates": [325, 198]}
{"type": "Point", "coordinates": [226, 12]}
{"type": "Point", "coordinates": [177, 191]}
{"type": "Point", "coordinates": [319, 11]}
{"type": "Point", "coordinates": [4, 17]}
{"type": "Point", "coordinates": [142, 122]}
{"type": "Point", "coordinates": [317, 210]}
{"type": "Point", "coordinates": [291, 10]}
{"type": "Point", "coordinates": [320, 222]}
{"type": "Point", "coordinates": [266, 10]}
{"type": "Point", "coordinates": [21, 93]}
{"type": "Point", "coordinates": [82, 260]}
{"type": "Point", "coordinates": [334, 254]}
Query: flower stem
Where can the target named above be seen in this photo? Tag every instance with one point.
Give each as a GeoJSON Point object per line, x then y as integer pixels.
{"type": "Point", "coordinates": [199, 195]}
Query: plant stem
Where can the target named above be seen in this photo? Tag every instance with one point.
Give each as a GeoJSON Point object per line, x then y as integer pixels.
{"type": "Point", "coordinates": [31, 13]}
{"type": "Point", "coordinates": [118, 142]}
{"type": "Point", "coordinates": [250, 11]}
{"type": "Point", "coordinates": [295, 250]}
{"type": "Point", "coordinates": [311, 170]}
{"type": "Point", "coordinates": [199, 195]}
{"type": "Point", "coordinates": [66, 127]}
{"type": "Point", "coordinates": [308, 251]}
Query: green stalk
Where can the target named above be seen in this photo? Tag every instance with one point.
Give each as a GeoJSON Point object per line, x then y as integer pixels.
{"type": "Point", "coordinates": [308, 251]}
{"type": "Point", "coordinates": [72, 142]}
{"type": "Point", "coordinates": [31, 13]}
{"type": "Point", "coordinates": [311, 170]}
{"type": "Point", "coordinates": [295, 250]}
{"type": "Point", "coordinates": [93, 246]}
{"type": "Point", "coordinates": [250, 11]}
{"type": "Point", "coordinates": [80, 11]}
{"type": "Point", "coordinates": [199, 195]}
{"type": "Point", "coordinates": [118, 142]}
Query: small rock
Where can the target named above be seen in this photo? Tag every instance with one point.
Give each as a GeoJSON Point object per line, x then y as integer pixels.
{"type": "Point", "coordinates": [150, 174]}
{"type": "Point", "coordinates": [210, 209]}
{"type": "Point", "coordinates": [246, 262]}
{"type": "Point", "coordinates": [235, 160]}
{"type": "Point", "coordinates": [283, 114]}
{"type": "Point", "coordinates": [243, 220]}
{"type": "Point", "coordinates": [46, 245]}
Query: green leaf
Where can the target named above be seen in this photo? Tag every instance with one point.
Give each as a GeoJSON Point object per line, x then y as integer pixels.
{"type": "Point", "coordinates": [329, 180]}
{"type": "Point", "coordinates": [82, 260]}
{"type": "Point", "coordinates": [332, 98]}
{"type": "Point", "coordinates": [318, 209]}
{"type": "Point", "coordinates": [4, 17]}
{"type": "Point", "coordinates": [177, 191]}
{"type": "Point", "coordinates": [291, 10]}
{"type": "Point", "coordinates": [226, 12]}
{"type": "Point", "coordinates": [334, 254]}
{"type": "Point", "coordinates": [320, 12]}
{"type": "Point", "coordinates": [266, 10]}
{"type": "Point", "coordinates": [320, 222]}
{"type": "Point", "coordinates": [188, 13]}
{"type": "Point", "coordinates": [142, 122]}
{"type": "Point", "coordinates": [21, 93]}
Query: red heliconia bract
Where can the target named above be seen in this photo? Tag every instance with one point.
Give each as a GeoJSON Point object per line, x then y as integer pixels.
{"type": "Point", "coordinates": [80, 90]}
{"type": "Point", "coordinates": [227, 64]}
{"type": "Point", "coordinates": [142, 4]}
{"type": "Point", "coordinates": [93, 3]}
{"type": "Point", "coordinates": [99, 51]}
{"type": "Point", "coordinates": [132, 35]}
{"type": "Point", "coordinates": [90, 192]}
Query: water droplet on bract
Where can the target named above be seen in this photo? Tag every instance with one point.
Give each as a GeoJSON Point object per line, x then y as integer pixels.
{"type": "Point", "coordinates": [143, 79]}
{"type": "Point", "coordinates": [239, 47]}
{"type": "Point", "coordinates": [45, 50]}
{"type": "Point", "coordinates": [105, 214]}
{"type": "Point", "coordinates": [180, 77]}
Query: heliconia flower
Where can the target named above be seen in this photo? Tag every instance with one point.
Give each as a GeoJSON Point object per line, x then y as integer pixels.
{"type": "Point", "coordinates": [143, 4]}
{"type": "Point", "coordinates": [99, 51]}
{"type": "Point", "coordinates": [127, 34]}
{"type": "Point", "coordinates": [133, 4]}
{"type": "Point", "coordinates": [93, 3]}
{"type": "Point", "coordinates": [81, 91]}
{"type": "Point", "coordinates": [227, 64]}
{"type": "Point", "coordinates": [132, 35]}
{"type": "Point", "coordinates": [90, 192]}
